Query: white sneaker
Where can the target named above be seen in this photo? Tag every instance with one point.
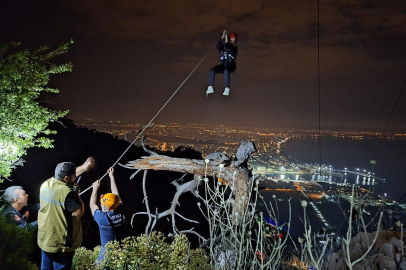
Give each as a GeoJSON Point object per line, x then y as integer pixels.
{"type": "Point", "coordinates": [209, 90]}
{"type": "Point", "coordinates": [226, 91]}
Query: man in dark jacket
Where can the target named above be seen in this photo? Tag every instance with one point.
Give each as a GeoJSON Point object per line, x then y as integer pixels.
{"type": "Point", "coordinates": [16, 208]}
{"type": "Point", "coordinates": [228, 54]}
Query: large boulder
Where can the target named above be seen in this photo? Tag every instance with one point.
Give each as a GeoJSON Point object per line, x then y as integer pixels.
{"type": "Point", "coordinates": [385, 254]}
{"type": "Point", "coordinates": [336, 262]}
{"type": "Point", "coordinates": [397, 242]}
{"type": "Point", "coordinates": [382, 238]}
{"type": "Point", "coordinates": [359, 245]}
{"type": "Point", "coordinates": [385, 262]}
{"type": "Point", "coordinates": [389, 250]}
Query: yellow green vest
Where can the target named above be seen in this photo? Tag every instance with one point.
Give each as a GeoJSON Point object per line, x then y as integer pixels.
{"type": "Point", "coordinates": [52, 223]}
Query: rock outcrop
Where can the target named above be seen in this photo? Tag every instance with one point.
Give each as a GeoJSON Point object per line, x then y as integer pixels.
{"type": "Point", "coordinates": [385, 254]}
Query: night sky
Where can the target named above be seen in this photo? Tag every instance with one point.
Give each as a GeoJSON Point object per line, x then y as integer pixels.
{"type": "Point", "coordinates": [129, 56]}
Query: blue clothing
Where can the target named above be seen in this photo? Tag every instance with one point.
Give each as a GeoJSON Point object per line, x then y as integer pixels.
{"type": "Point", "coordinates": [227, 65]}
{"type": "Point", "coordinates": [107, 222]}
{"type": "Point", "coordinates": [219, 69]}
{"type": "Point", "coordinates": [57, 261]}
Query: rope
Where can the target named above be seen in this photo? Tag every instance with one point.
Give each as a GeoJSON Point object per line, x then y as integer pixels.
{"type": "Point", "coordinates": [228, 14]}
{"type": "Point", "coordinates": [340, 225]}
{"type": "Point", "coordinates": [387, 123]}
{"type": "Point", "coordinates": [115, 163]}
{"type": "Point", "coordinates": [393, 109]}
{"type": "Point", "coordinates": [386, 126]}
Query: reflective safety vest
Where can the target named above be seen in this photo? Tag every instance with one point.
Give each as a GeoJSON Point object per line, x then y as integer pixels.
{"type": "Point", "coordinates": [54, 232]}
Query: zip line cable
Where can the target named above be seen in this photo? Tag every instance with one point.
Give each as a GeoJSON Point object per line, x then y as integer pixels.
{"type": "Point", "coordinates": [318, 88]}
{"type": "Point", "coordinates": [150, 122]}
{"type": "Point", "coordinates": [228, 14]}
{"type": "Point", "coordinates": [318, 76]}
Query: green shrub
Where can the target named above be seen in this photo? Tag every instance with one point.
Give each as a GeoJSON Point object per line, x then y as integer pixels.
{"type": "Point", "coordinates": [145, 252]}
{"type": "Point", "coordinates": [16, 244]}
{"type": "Point", "coordinates": [84, 258]}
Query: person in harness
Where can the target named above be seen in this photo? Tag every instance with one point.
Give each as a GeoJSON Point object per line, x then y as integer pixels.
{"type": "Point", "coordinates": [108, 217]}
{"type": "Point", "coordinates": [228, 54]}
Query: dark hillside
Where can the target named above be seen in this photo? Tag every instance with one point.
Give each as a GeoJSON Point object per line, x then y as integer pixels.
{"type": "Point", "coordinates": [75, 144]}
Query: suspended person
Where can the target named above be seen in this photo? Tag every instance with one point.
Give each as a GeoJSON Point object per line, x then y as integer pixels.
{"type": "Point", "coordinates": [228, 54]}
{"type": "Point", "coordinates": [109, 217]}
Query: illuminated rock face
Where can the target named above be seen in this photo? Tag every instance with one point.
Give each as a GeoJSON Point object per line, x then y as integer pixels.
{"type": "Point", "coordinates": [385, 254]}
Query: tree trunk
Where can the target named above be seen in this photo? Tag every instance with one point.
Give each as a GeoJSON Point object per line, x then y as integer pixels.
{"type": "Point", "coordinates": [236, 175]}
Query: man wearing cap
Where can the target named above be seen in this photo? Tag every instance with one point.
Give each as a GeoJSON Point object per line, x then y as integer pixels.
{"type": "Point", "coordinates": [108, 217]}
{"type": "Point", "coordinates": [59, 227]}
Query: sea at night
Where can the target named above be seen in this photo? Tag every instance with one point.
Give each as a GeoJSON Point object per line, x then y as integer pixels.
{"type": "Point", "coordinates": [390, 157]}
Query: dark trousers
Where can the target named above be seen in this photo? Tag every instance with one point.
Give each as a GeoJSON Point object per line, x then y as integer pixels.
{"type": "Point", "coordinates": [221, 69]}
{"type": "Point", "coordinates": [57, 261]}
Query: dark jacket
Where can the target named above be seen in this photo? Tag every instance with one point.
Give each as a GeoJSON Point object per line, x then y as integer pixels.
{"type": "Point", "coordinates": [18, 217]}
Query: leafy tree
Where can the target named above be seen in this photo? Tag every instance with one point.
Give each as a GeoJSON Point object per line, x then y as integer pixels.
{"type": "Point", "coordinates": [23, 121]}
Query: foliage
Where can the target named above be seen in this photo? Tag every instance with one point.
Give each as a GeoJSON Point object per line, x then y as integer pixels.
{"type": "Point", "coordinates": [23, 76]}
{"type": "Point", "coordinates": [84, 258]}
{"type": "Point", "coordinates": [145, 252]}
{"type": "Point", "coordinates": [16, 244]}
{"type": "Point", "coordinates": [238, 241]}
{"type": "Point", "coordinates": [315, 248]}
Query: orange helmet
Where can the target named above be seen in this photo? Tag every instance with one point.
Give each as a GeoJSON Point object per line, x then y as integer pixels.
{"type": "Point", "coordinates": [110, 200]}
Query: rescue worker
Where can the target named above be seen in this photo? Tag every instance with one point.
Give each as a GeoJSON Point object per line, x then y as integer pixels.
{"type": "Point", "coordinates": [108, 217]}
{"type": "Point", "coordinates": [16, 208]}
{"type": "Point", "coordinates": [228, 54]}
{"type": "Point", "coordinates": [59, 226]}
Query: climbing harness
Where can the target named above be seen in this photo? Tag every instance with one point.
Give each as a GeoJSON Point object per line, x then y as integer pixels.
{"type": "Point", "coordinates": [227, 56]}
